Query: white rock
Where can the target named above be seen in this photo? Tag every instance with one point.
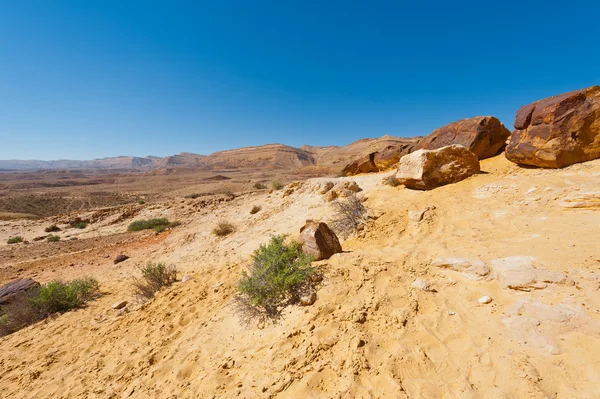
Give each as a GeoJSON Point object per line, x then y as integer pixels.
{"type": "Point", "coordinates": [421, 284]}
{"type": "Point", "coordinates": [475, 269]}
{"type": "Point", "coordinates": [484, 299]}
{"type": "Point", "coordinates": [186, 278]}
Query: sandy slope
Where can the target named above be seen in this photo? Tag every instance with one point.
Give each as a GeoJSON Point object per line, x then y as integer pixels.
{"type": "Point", "coordinates": [370, 333]}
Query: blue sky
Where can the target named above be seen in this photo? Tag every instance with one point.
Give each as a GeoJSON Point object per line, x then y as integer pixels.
{"type": "Point", "coordinates": [83, 79]}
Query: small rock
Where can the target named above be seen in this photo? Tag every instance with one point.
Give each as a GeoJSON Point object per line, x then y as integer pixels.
{"type": "Point", "coordinates": [308, 300]}
{"type": "Point", "coordinates": [421, 284]}
{"type": "Point", "coordinates": [121, 258]}
{"type": "Point", "coordinates": [358, 343]}
{"type": "Point", "coordinates": [451, 313]}
{"type": "Point", "coordinates": [186, 278]}
{"type": "Point", "coordinates": [484, 299]}
{"type": "Point", "coordinates": [119, 305]}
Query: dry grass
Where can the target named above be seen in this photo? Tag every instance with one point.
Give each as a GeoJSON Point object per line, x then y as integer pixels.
{"type": "Point", "coordinates": [223, 228]}
{"type": "Point", "coordinates": [349, 216]}
{"type": "Point", "coordinates": [154, 277]}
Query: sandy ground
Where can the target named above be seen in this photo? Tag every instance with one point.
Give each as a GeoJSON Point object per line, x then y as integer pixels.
{"type": "Point", "coordinates": [370, 334]}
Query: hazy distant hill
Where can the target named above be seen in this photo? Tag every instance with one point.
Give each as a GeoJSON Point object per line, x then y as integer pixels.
{"type": "Point", "coordinates": [270, 156]}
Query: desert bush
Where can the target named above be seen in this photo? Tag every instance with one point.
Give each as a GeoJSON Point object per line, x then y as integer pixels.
{"type": "Point", "coordinates": [391, 180]}
{"type": "Point", "coordinates": [193, 196]}
{"type": "Point", "coordinates": [40, 302]}
{"type": "Point", "coordinates": [79, 223]}
{"type": "Point", "coordinates": [276, 185]}
{"type": "Point", "coordinates": [52, 229]}
{"type": "Point", "coordinates": [279, 274]}
{"type": "Point", "coordinates": [156, 224]}
{"type": "Point", "coordinates": [154, 277]}
{"type": "Point", "coordinates": [255, 209]}
{"type": "Point", "coordinates": [52, 238]}
{"type": "Point", "coordinates": [259, 186]}
{"type": "Point", "coordinates": [349, 215]}
{"type": "Point", "coordinates": [14, 240]}
{"type": "Point", "coordinates": [141, 202]}
{"type": "Point", "coordinates": [223, 228]}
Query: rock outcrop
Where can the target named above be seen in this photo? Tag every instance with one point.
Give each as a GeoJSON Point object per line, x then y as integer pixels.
{"type": "Point", "coordinates": [365, 164]}
{"type": "Point", "coordinates": [558, 131]}
{"type": "Point", "coordinates": [485, 136]}
{"type": "Point", "coordinates": [427, 169]}
{"type": "Point", "coordinates": [319, 240]}
{"type": "Point", "coordinates": [15, 288]}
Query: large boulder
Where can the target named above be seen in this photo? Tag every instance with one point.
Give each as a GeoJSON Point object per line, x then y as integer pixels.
{"type": "Point", "coordinates": [390, 156]}
{"type": "Point", "coordinates": [558, 131]}
{"type": "Point", "coordinates": [15, 288]}
{"type": "Point", "coordinates": [319, 240]}
{"type": "Point", "coordinates": [365, 164]}
{"type": "Point", "coordinates": [427, 169]}
{"type": "Point", "coordinates": [485, 136]}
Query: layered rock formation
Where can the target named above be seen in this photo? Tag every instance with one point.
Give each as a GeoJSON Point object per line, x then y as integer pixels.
{"type": "Point", "coordinates": [557, 131]}
{"type": "Point", "coordinates": [427, 169]}
{"type": "Point", "coordinates": [485, 136]}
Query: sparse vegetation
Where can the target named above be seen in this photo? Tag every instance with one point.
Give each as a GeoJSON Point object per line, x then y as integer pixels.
{"type": "Point", "coordinates": [79, 223]}
{"type": "Point", "coordinates": [52, 238]}
{"type": "Point", "coordinates": [259, 186]}
{"type": "Point", "coordinates": [278, 276]}
{"type": "Point", "coordinates": [349, 215]}
{"type": "Point", "coordinates": [40, 302]}
{"type": "Point", "coordinates": [14, 240]}
{"type": "Point", "coordinates": [193, 196]}
{"type": "Point", "coordinates": [154, 277]}
{"type": "Point", "coordinates": [141, 202]}
{"type": "Point", "coordinates": [52, 229]}
{"type": "Point", "coordinates": [255, 209]}
{"type": "Point", "coordinates": [158, 225]}
{"type": "Point", "coordinates": [391, 180]}
{"type": "Point", "coordinates": [277, 185]}
{"type": "Point", "coordinates": [223, 228]}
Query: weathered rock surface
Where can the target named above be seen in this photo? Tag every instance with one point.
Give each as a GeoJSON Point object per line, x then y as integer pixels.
{"type": "Point", "coordinates": [582, 200]}
{"type": "Point", "coordinates": [475, 269]}
{"type": "Point", "coordinates": [557, 131]}
{"type": "Point", "coordinates": [319, 240]}
{"type": "Point", "coordinates": [365, 164]}
{"type": "Point", "coordinates": [520, 273]}
{"type": "Point", "coordinates": [15, 288]}
{"type": "Point", "coordinates": [390, 156]}
{"type": "Point", "coordinates": [428, 169]}
{"type": "Point", "coordinates": [485, 136]}
{"type": "Point", "coordinates": [309, 299]}
{"type": "Point", "coordinates": [119, 305]}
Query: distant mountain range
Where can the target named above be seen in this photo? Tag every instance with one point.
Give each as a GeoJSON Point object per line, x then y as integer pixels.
{"type": "Point", "coordinates": [270, 156]}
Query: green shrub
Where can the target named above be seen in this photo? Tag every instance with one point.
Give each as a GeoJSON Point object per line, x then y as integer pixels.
{"type": "Point", "coordinates": [223, 228]}
{"type": "Point", "coordinates": [40, 302]}
{"type": "Point", "coordinates": [52, 238]}
{"type": "Point", "coordinates": [255, 209]}
{"type": "Point", "coordinates": [52, 229]}
{"type": "Point", "coordinates": [14, 240]}
{"type": "Point", "coordinates": [156, 224]}
{"type": "Point", "coordinates": [259, 186]}
{"type": "Point", "coordinates": [277, 185]}
{"type": "Point", "coordinates": [79, 223]}
{"type": "Point", "coordinates": [141, 202]}
{"type": "Point", "coordinates": [278, 275]}
{"type": "Point", "coordinates": [154, 277]}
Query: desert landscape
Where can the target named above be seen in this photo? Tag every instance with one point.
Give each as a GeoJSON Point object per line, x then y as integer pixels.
{"type": "Point", "coordinates": [472, 268]}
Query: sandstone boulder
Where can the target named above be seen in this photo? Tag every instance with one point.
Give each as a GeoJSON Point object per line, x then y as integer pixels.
{"type": "Point", "coordinates": [319, 240]}
{"type": "Point", "coordinates": [427, 169]}
{"type": "Point", "coordinates": [558, 131]}
{"type": "Point", "coordinates": [390, 156]}
{"type": "Point", "coordinates": [485, 136]}
{"type": "Point", "coordinates": [15, 288]}
{"type": "Point", "coordinates": [365, 164]}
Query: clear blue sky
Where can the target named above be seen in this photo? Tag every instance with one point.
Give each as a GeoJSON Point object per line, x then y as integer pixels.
{"type": "Point", "coordinates": [87, 79]}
